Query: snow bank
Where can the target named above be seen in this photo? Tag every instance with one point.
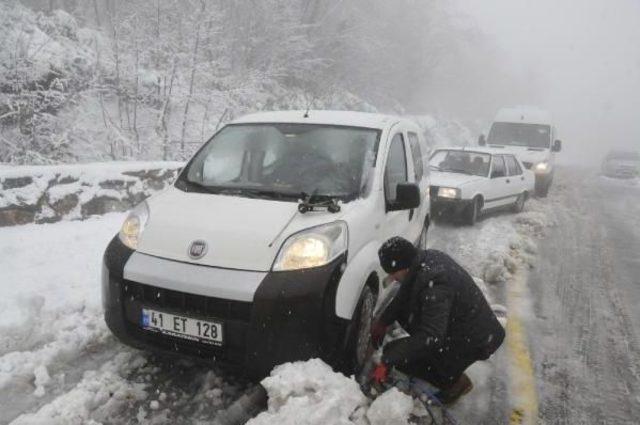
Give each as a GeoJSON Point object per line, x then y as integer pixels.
{"type": "Point", "coordinates": [52, 193]}
{"type": "Point", "coordinates": [391, 408]}
{"type": "Point", "coordinates": [59, 364]}
{"type": "Point", "coordinates": [311, 393]}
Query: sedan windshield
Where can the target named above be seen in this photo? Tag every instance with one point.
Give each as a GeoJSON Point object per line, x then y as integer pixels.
{"type": "Point", "coordinates": [457, 161]}
{"type": "Point", "coordinates": [517, 134]}
{"type": "Point", "coordinates": [282, 161]}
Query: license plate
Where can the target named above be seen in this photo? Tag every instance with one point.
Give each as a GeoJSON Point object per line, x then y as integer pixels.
{"type": "Point", "coordinates": [206, 331]}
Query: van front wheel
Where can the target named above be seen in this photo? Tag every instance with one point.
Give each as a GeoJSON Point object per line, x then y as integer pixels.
{"type": "Point", "coordinates": [360, 338]}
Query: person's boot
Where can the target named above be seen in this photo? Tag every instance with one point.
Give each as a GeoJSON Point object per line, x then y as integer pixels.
{"type": "Point", "coordinates": [459, 388]}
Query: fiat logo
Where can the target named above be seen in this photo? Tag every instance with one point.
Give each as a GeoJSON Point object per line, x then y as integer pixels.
{"type": "Point", "coordinates": [197, 249]}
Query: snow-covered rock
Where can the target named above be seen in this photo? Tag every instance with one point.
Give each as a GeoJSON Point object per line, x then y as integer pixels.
{"type": "Point", "coordinates": [53, 193]}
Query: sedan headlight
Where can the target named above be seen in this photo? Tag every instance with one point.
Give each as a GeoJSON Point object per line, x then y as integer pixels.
{"type": "Point", "coordinates": [448, 192]}
{"type": "Point", "coordinates": [313, 247]}
{"type": "Point", "coordinates": [134, 225]}
{"type": "Point", "coordinates": [542, 167]}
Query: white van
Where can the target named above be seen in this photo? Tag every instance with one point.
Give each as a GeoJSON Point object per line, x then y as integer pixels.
{"type": "Point", "coordinates": [265, 249]}
{"type": "Point", "coordinates": [528, 133]}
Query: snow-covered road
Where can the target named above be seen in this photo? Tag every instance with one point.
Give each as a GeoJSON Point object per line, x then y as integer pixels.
{"type": "Point", "coordinates": [60, 365]}
{"type": "Point", "coordinates": [586, 293]}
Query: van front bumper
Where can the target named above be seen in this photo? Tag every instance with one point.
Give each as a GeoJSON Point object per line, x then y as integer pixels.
{"type": "Point", "coordinates": [290, 317]}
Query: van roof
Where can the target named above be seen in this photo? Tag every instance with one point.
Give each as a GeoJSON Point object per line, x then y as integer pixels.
{"type": "Point", "coordinates": [344, 118]}
{"type": "Point", "coordinates": [524, 114]}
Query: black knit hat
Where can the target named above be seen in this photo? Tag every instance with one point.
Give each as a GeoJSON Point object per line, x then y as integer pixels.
{"type": "Point", "coordinates": [396, 254]}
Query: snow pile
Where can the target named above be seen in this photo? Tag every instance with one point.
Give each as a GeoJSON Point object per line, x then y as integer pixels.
{"type": "Point", "coordinates": [99, 394]}
{"type": "Point", "coordinates": [52, 193]}
{"type": "Point", "coordinates": [391, 408]}
{"type": "Point", "coordinates": [311, 393]}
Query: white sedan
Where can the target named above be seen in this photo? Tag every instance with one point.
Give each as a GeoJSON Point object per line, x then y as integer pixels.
{"type": "Point", "coordinates": [469, 181]}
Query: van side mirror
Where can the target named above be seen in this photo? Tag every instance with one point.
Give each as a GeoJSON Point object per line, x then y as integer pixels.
{"type": "Point", "coordinates": [557, 146]}
{"type": "Point", "coordinates": [482, 141]}
{"type": "Point", "coordinates": [407, 197]}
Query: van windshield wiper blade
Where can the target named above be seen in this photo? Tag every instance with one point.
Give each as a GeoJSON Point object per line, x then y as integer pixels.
{"type": "Point", "coordinates": [273, 193]}
{"type": "Point", "coordinates": [215, 190]}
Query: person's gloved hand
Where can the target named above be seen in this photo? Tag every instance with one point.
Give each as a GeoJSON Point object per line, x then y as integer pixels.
{"type": "Point", "coordinates": [378, 331]}
{"type": "Point", "coordinates": [380, 373]}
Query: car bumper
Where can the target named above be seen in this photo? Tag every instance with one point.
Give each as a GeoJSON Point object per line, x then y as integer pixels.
{"type": "Point", "coordinates": [442, 207]}
{"type": "Point", "coordinates": [290, 317]}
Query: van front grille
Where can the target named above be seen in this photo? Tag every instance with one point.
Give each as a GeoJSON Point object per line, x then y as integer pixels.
{"type": "Point", "coordinates": [189, 304]}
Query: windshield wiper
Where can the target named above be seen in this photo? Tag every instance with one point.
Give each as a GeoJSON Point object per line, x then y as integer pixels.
{"type": "Point", "coordinates": [273, 193]}
{"type": "Point", "coordinates": [201, 187]}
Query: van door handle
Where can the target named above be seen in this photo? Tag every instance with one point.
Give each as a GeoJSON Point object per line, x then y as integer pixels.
{"type": "Point", "coordinates": [522, 178]}
{"type": "Point", "coordinates": [410, 214]}
{"type": "Point", "coordinates": [508, 181]}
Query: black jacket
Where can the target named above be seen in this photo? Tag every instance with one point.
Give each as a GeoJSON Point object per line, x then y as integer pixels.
{"type": "Point", "coordinates": [442, 309]}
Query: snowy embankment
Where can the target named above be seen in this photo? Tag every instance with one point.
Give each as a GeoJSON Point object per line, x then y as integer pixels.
{"type": "Point", "coordinates": [59, 364]}
{"type": "Point", "coordinates": [46, 194]}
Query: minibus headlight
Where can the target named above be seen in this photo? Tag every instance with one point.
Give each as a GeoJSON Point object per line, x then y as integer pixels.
{"type": "Point", "coordinates": [312, 247]}
{"type": "Point", "coordinates": [134, 225]}
{"type": "Point", "coordinates": [542, 167]}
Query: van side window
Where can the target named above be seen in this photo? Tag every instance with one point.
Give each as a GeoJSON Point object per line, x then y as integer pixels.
{"type": "Point", "coordinates": [498, 169]}
{"type": "Point", "coordinates": [396, 168]}
{"type": "Point", "coordinates": [512, 165]}
{"type": "Point", "coordinates": [416, 153]}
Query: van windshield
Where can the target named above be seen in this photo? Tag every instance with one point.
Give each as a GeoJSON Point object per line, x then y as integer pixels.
{"type": "Point", "coordinates": [519, 134]}
{"type": "Point", "coordinates": [283, 161]}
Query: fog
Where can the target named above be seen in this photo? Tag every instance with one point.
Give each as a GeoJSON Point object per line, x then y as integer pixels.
{"type": "Point", "coordinates": [121, 80]}
{"type": "Point", "coordinates": [580, 60]}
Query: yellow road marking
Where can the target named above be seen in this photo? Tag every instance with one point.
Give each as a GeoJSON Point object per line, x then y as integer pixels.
{"type": "Point", "coordinates": [522, 383]}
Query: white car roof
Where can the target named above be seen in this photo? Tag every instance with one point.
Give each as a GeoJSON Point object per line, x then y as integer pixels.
{"type": "Point", "coordinates": [344, 118]}
{"type": "Point", "coordinates": [524, 114]}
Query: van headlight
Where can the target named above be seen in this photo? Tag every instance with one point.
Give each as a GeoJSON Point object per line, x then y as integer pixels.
{"type": "Point", "coordinates": [313, 247]}
{"type": "Point", "coordinates": [448, 192]}
{"type": "Point", "coordinates": [542, 167]}
{"type": "Point", "coordinates": [134, 225]}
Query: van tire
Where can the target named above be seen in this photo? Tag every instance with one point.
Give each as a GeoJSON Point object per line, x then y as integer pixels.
{"type": "Point", "coordinates": [360, 331]}
{"type": "Point", "coordinates": [542, 189]}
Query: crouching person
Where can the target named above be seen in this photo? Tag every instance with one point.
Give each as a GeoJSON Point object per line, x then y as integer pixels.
{"type": "Point", "coordinates": [448, 319]}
